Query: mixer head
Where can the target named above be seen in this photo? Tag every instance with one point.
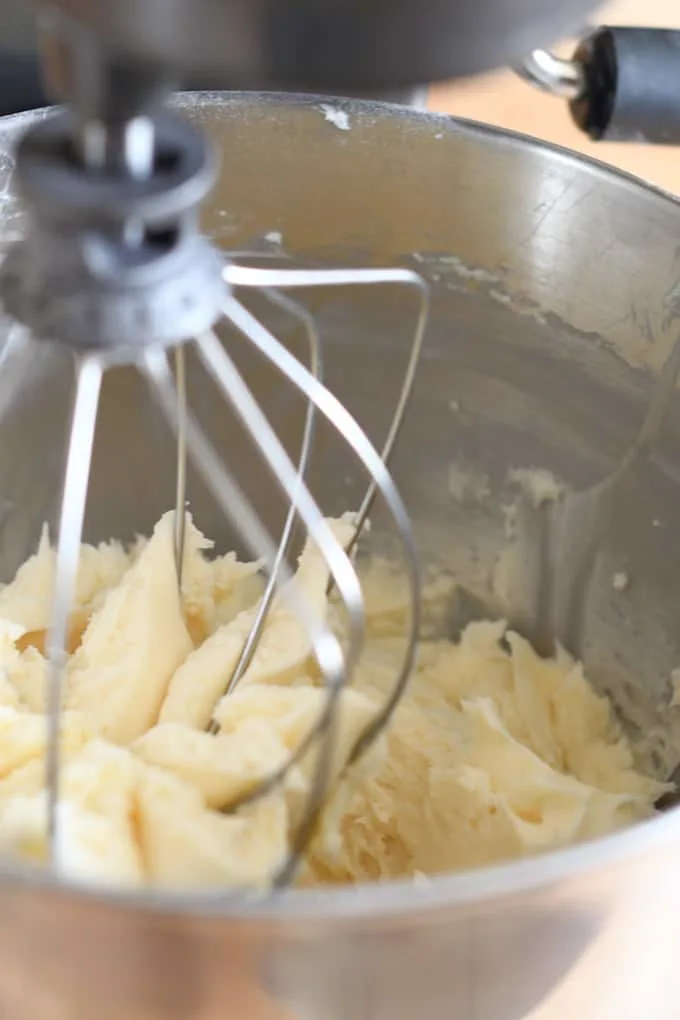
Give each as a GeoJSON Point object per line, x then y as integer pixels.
{"type": "Point", "coordinates": [323, 45]}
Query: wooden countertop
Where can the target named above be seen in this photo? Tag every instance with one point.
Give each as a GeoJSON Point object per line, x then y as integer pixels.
{"type": "Point", "coordinates": [505, 100]}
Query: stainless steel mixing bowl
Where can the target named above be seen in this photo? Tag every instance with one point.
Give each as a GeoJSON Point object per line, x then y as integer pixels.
{"type": "Point", "coordinates": [555, 288]}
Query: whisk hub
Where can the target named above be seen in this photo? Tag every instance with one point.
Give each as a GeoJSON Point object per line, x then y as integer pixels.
{"type": "Point", "coordinates": [113, 259]}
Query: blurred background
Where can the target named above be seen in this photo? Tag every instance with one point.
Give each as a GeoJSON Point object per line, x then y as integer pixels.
{"type": "Point", "coordinates": [501, 98]}
{"type": "Point", "coordinates": [505, 100]}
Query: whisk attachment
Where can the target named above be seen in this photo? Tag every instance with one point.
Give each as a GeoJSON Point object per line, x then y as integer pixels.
{"type": "Point", "coordinates": [113, 266]}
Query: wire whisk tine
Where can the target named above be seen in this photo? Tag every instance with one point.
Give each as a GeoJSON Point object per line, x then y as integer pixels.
{"type": "Point", "coordinates": [71, 521]}
{"type": "Point", "coordinates": [302, 279]}
{"type": "Point", "coordinates": [222, 368]}
{"type": "Point", "coordinates": [326, 648]}
{"type": "Point", "coordinates": [234, 504]}
{"type": "Point", "coordinates": [181, 490]}
{"type": "Point", "coordinates": [343, 422]}
{"type": "Point", "coordinates": [315, 359]}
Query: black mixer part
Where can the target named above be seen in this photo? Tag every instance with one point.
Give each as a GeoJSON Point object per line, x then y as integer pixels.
{"type": "Point", "coordinates": [631, 78]}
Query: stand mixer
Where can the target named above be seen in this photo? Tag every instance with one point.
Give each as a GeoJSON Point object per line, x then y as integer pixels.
{"type": "Point", "coordinates": [112, 266]}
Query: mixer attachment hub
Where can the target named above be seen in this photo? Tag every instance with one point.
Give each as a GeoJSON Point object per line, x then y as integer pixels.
{"type": "Point", "coordinates": [111, 258]}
